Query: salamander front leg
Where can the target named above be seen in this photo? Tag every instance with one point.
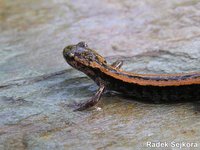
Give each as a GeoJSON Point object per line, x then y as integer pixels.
{"type": "Point", "coordinates": [117, 64]}
{"type": "Point", "coordinates": [95, 99]}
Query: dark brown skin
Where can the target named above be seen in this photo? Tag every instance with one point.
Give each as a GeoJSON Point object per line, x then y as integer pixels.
{"type": "Point", "coordinates": [155, 88]}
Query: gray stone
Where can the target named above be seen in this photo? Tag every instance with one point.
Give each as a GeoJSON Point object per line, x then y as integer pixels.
{"type": "Point", "coordinates": [37, 87]}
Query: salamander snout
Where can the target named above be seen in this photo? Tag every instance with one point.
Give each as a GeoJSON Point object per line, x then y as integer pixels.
{"type": "Point", "coordinates": [81, 53]}
{"type": "Point", "coordinates": [72, 50]}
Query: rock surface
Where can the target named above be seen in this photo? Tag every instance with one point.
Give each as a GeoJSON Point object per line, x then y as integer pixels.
{"type": "Point", "coordinates": [37, 86]}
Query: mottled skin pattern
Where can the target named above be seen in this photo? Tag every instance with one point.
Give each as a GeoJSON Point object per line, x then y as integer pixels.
{"type": "Point", "coordinates": [156, 88]}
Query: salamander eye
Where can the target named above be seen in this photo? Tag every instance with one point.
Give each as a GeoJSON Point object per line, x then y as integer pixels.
{"type": "Point", "coordinates": [82, 44]}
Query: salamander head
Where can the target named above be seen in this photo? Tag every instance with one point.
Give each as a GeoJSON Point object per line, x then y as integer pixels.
{"type": "Point", "coordinates": [81, 55]}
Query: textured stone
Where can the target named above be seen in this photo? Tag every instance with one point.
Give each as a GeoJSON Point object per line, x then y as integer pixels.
{"type": "Point", "coordinates": [37, 86]}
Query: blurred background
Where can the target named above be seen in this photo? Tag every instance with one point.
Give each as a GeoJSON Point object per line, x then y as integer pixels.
{"type": "Point", "coordinates": [36, 84]}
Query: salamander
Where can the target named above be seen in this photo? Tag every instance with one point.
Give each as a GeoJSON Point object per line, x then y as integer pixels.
{"type": "Point", "coordinates": [153, 88]}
